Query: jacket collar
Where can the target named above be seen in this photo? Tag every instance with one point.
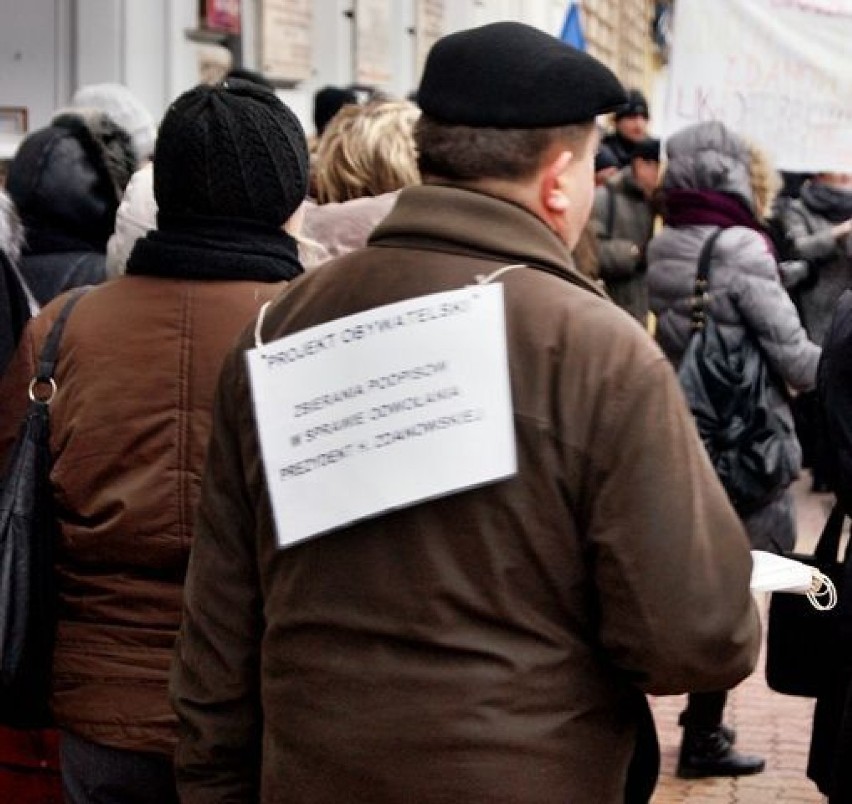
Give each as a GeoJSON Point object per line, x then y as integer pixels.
{"type": "Point", "coordinates": [439, 218]}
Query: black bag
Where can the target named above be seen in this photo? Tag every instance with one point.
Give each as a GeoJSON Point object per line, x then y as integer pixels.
{"type": "Point", "coordinates": [753, 450]}
{"type": "Point", "coordinates": [803, 643]}
{"type": "Point", "coordinates": [27, 538]}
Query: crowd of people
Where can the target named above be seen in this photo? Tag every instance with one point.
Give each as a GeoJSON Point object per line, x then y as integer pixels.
{"type": "Point", "coordinates": [495, 644]}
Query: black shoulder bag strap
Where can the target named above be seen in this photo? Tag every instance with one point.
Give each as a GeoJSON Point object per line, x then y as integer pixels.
{"type": "Point", "coordinates": [47, 358]}
{"type": "Point", "coordinates": [701, 297]}
{"type": "Point", "coordinates": [828, 545]}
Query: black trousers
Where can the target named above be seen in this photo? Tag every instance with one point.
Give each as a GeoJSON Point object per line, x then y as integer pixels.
{"type": "Point", "coordinates": [98, 774]}
{"type": "Point", "coordinates": [704, 710]}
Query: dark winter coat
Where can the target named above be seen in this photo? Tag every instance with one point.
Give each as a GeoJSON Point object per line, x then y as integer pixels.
{"type": "Point", "coordinates": [835, 396]}
{"type": "Point", "coordinates": [621, 147]}
{"type": "Point", "coordinates": [624, 222]}
{"type": "Point", "coordinates": [488, 647]}
{"type": "Point", "coordinates": [831, 738]}
{"type": "Point", "coordinates": [808, 230]}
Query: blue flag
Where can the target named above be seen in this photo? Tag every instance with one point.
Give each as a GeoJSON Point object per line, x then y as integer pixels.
{"type": "Point", "coordinates": [572, 29]}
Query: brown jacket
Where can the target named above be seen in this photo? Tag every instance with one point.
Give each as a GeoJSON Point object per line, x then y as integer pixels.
{"type": "Point", "coordinates": [137, 370]}
{"type": "Point", "coordinates": [489, 647]}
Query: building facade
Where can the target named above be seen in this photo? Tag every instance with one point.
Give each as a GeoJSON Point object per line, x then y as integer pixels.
{"type": "Point", "coordinates": [49, 48]}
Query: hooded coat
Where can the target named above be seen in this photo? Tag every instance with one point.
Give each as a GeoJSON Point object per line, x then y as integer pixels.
{"type": "Point", "coordinates": [66, 181]}
{"type": "Point", "coordinates": [745, 290]}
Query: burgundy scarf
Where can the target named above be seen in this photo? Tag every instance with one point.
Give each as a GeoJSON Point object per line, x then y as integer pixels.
{"type": "Point", "coordinates": [709, 208]}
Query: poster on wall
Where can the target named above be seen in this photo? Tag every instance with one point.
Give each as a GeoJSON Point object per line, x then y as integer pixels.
{"type": "Point", "coordinates": [775, 71]}
{"type": "Point", "coordinates": [222, 15]}
{"type": "Point", "coordinates": [286, 39]}
{"type": "Point", "coordinates": [373, 62]}
{"type": "Point", "coordinates": [429, 28]}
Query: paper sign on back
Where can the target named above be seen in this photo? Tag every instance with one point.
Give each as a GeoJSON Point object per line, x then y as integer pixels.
{"type": "Point", "coordinates": [384, 409]}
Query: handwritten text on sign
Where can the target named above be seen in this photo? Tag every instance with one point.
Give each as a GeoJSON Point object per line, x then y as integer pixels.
{"type": "Point", "coordinates": [775, 71]}
{"type": "Point", "coordinates": [383, 409]}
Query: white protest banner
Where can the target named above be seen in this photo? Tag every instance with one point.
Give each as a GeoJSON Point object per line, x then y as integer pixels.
{"type": "Point", "coordinates": [384, 409]}
{"type": "Point", "coordinates": [776, 71]}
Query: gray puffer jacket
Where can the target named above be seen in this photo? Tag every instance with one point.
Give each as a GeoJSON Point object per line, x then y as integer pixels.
{"type": "Point", "coordinates": [745, 292]}
{"type": "Point", "coordinates": [744, 285]}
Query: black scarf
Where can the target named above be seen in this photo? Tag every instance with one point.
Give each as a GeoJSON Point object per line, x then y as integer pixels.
{"type": "Point", "coordinates": [832, 203]}
{"type": "Point", "coordinates": [224, 249]}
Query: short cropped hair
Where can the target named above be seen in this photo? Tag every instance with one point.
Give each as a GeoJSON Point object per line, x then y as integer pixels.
{"type": "Point", "coordinates": [367, 151]}
{"type": "Point", "coordinates": [465, 153]}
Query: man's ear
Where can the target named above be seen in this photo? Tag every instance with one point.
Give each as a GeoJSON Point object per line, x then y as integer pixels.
{"type": "Point", "coordinates": [552, 195]}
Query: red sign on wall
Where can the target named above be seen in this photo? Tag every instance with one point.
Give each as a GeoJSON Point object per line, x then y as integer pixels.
{"type": "Point", "coordinates": [223, 15]}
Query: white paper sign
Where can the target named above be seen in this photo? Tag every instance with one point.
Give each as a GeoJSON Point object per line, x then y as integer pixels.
{"type": "Point", "coordinates": [383, 409]}
{"type": "Point", "coordinates": [776, 71]}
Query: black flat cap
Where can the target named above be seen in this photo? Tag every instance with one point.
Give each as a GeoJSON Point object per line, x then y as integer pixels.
{"type": "Point", "coordinates": [511, 75]}
{"type": "Point", "coordinates": [647, 149]}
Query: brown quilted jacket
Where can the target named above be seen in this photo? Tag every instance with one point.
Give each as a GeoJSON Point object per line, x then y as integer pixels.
{"type": "Point", "coordinates": [138, 365]}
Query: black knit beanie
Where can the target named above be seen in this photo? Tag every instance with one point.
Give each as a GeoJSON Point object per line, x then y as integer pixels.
{"type": "Point", "coordinates": [232, 151]}
{"type": "Point", "coordinates": [636, 106]}
{"type": "Point", "coordinates": [328, 101]}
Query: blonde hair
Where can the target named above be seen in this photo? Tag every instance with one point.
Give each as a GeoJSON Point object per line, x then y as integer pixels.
{"type": "Point", "coordinates": [765, 181]}
{"type": "Point", "coordinates": [366, 151]}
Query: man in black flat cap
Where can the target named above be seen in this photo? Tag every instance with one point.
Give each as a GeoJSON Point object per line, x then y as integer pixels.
{"type": "Point", "coordinates": [490, 642]}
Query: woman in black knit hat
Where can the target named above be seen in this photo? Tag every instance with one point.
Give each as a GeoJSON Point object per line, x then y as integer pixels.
{"type": "Point", "coordinates": [136, 373]}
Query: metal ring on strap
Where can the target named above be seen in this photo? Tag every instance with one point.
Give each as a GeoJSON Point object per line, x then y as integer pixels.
{"type": "Point", "coordinates": [34, 382]}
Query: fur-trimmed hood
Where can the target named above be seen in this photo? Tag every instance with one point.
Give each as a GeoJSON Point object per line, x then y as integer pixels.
{"type": "Point", "coordinates": [11, 229]}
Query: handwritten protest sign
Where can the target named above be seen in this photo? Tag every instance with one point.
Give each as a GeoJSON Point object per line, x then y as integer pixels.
{"type": "Point", "coordinates": [776, 71]}
{"type": "Point", "coordinates": [384, 409]}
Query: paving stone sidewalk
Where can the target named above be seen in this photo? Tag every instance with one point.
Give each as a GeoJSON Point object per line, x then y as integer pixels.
{"type": "Point", "coordinates": [774, 726]}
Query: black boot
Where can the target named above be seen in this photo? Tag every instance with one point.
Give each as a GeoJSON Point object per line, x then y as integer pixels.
{"type": "Point", "coordinates": [708, 752]}
{"type": "Point", "coordinates": [728, 732]}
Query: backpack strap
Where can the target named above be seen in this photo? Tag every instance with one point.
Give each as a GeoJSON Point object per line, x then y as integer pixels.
{"type": "Point", "coordinates": [701, 297]}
